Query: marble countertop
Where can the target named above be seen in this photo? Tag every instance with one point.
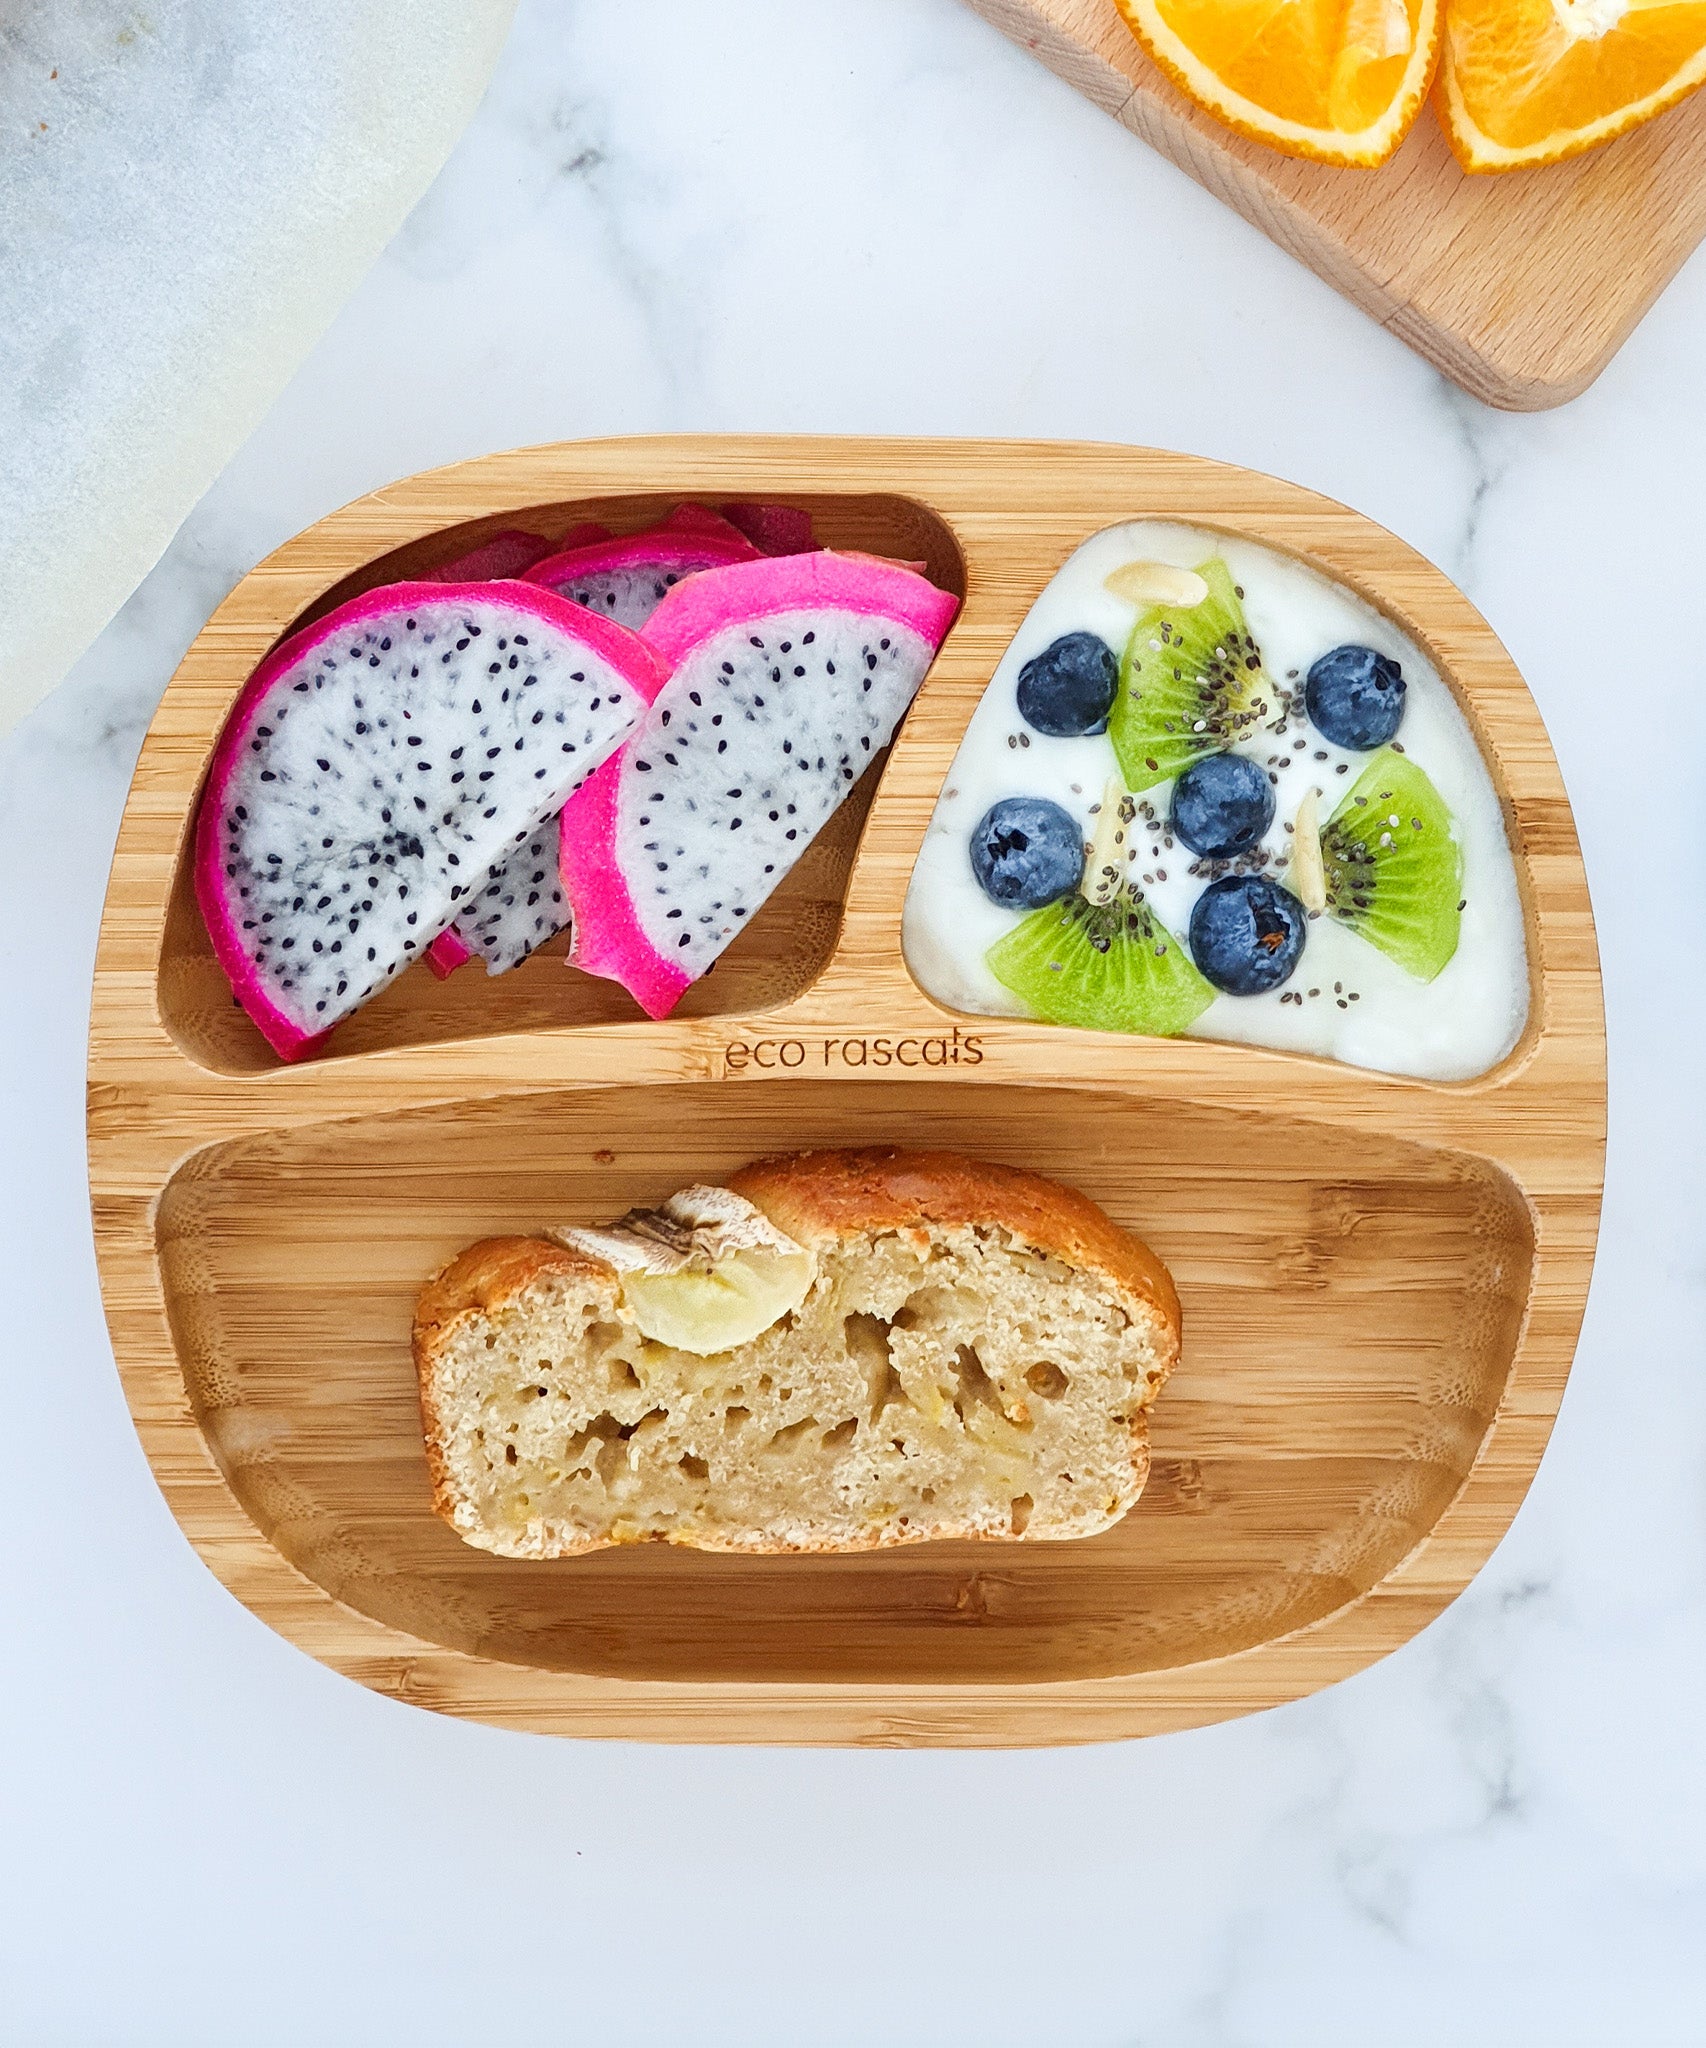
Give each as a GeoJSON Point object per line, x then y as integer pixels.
{"type": "Point", "coordinates": [875, 216]}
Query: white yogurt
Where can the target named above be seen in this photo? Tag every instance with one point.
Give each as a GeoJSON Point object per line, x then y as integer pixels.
{"type": "Point", "coordinates": [1358, 1006]}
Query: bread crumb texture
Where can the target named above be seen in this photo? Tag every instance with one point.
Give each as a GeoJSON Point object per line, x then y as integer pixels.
{"type": "Point", "coordinates": [952, 1378]}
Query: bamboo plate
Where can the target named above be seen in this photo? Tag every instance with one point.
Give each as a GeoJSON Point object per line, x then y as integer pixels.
{"type": "Point", "coordinates": [1383, 1279]}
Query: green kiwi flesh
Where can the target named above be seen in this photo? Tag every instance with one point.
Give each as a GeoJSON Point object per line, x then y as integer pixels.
{"type": "Point", "coordinates": [1102, 966]}
{"type": "Point", "coordinates": [1393, 868]}
{"type": "Point", "coordinates": [1191, 683]}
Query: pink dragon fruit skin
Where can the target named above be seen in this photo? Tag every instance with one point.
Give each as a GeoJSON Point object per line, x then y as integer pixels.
{"type": "Point", "coordinates": [692, 518]}
{"type": "Point", "coordinates": [509, 553]}
{"type": "Point", "coordinates": [448, 952]}
{"type": "Point", "coordinates": [812, 659]}
{"type": "Point", "coordinates": [773, 529]}
{"type": "Point", "coordinates": [607, 939]}
{"type": "Point", "coordinates": [345, 647]}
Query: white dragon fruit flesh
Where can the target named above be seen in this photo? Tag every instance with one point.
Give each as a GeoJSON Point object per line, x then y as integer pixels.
{"type": "Point", "coordinates": [375, 768]}
{"type": "Point", "coordinates": [625, 580]}
{"type": "Point", "coordinates": [510, 552]}
{"type": "Point", "coordinates": [787, 678]}
{"type": "Point", "coordinates": [517, 908]}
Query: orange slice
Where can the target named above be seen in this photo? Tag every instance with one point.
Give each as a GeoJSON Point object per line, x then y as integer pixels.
{"type": "Point", "coordinates": [1530, 81]}
{"type": "Point", "coordinates": [1337, 80]}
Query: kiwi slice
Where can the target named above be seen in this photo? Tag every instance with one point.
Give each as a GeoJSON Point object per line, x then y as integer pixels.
{"type": "Point", "coordinates": [1191, 682]}
{"type": "Point", "coordinates": [1394, 871]}
{"type": "Point", "coordinates": [1103, 966]}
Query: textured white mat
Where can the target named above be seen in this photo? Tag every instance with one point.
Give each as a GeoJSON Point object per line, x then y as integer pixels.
{"type": "Point", "coordinates": [188, 192]}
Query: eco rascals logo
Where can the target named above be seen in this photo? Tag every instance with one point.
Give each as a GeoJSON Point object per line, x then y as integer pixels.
{"type": "Point", "coordinates": [815, 1055]}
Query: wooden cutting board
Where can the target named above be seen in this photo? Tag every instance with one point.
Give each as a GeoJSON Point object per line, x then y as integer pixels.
{"type": "Point", "coordinates": [1520, 287]}
{"type": "Point", "coordinates": [1382, 1278]}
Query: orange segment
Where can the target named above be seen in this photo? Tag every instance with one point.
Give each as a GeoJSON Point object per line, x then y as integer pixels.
{"type": "Point", "coordinates": [1530, 81]}
{"type": "Point", "coordinates": [1337, 80]}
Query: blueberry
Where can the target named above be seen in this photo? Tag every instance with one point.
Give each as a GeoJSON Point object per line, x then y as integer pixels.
{"type": "Point", "coordinates": [1247, 934]}
{"type": "Point", "coordinates": [1069, 688]}
{"type": "Point", "coordinates": [1222, 805]}
{"type": "Point", "coordinates": [1026, 853]}
{"type": "Point", "coordinates": [1356, 697]}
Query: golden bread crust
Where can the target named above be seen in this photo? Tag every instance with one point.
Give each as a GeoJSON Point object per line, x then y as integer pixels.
{"type": "Point", "coordinates": [489, 1273]}
{"type": "Point", "coordinates": [817, 1195]}
{"type": "Point", "coordinates": [482, 1278]}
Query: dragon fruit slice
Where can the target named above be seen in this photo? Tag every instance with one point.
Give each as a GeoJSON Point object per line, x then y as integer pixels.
{"type": "Point", "coordinates": [788, 677]}
{"type": "Point", "coordinates": [625, 580]}
{"type": "Point", "coordinates": [380, 762]}
{"type": "Point", "coordinates": [773, 529]}
{"type": "Point", "coordinates": [700, 519]}
{"type": "Point", "coordinates": [581, 536]}
{"type": "Point", "coordinates": [510, 552]}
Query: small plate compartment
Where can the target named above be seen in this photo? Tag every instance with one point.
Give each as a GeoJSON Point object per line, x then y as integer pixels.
{"type": "Point", "coordinates": [778, 958]}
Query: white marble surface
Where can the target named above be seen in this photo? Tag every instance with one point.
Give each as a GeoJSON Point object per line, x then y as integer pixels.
{"type": "Point", "coordinates": [874, 215]}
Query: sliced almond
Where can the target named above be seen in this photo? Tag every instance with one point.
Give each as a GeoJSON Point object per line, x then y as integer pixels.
{"type": "Point", "coordinates": [1105, 865]}
{"type": "Point", "coordinates": [1157, 583]}
{"type": "Point", "coordinates": [704, 1272]}
{"type": "Point", "coordinates": [1308, 876]}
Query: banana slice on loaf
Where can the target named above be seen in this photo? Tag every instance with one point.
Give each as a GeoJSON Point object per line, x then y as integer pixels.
{"type": "Point", "coordinates": [838, 1351]}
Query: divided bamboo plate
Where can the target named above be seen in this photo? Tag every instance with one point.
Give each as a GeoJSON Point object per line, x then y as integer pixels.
{"type": "Point", "coordinates": [1520, 287]}
{"type": "Point", "coordinates": [1382, 1279]}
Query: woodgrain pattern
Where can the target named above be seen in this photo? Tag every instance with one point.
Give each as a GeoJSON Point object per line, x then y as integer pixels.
{"type": "Point", "coordinates": [1382, 1279]}
{"type": "Point", "coordinates": [1520, 287]}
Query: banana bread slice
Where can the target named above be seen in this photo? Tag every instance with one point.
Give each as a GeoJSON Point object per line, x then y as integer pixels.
{"type": "Point", "coordinates": [973, 1355]}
